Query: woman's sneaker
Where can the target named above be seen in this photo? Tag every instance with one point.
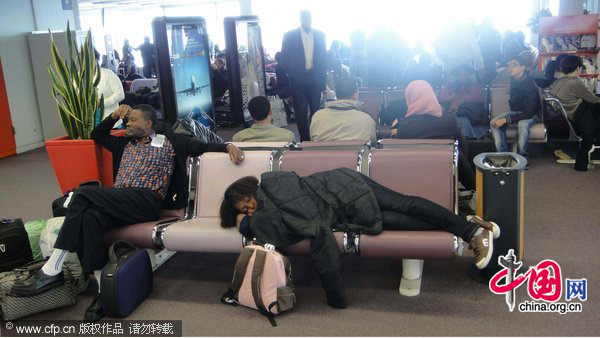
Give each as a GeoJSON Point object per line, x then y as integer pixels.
{"type": "Point", "coordinates": [491, 226]}
{"type": "Point", "coordinates": [482, 245]}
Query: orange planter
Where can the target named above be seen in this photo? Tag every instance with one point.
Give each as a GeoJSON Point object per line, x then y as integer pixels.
{"type": "Point", "coordinates": [76, 161]}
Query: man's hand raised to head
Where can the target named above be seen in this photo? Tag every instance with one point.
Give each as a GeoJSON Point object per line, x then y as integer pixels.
{"type": "Point", "coordinates": [235, 154]}
{"type": "Point", "coordinates": [121, 112]}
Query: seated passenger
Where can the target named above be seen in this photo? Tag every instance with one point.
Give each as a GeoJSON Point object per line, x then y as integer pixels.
{"type": "Point", "coordinates": [581, 106]}
{"type": "Point", "coordinates": [341, 120]}
{"type": "Point", "coordinates": [132, 73]}
{"type": "Point", "coordinates": [263, 129]}
{"type": "Point", "coordinates": [524, 105]}
{"type": "Point", "coordinates": [424, 119]}
{"type": "Point", "coordinates": [218, 75]}
{"type": "Point", "coordinates": [464, 98]}
{"type": "Point", "coordinates": [285, 208]}
{"type": "Point", "coordinates": [150, 175]}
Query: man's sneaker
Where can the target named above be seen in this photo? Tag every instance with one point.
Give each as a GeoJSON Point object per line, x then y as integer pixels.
{"type": "Point", "coordinates": [482, 244]}
{"type": "Point", "coordinates": [491, 226]}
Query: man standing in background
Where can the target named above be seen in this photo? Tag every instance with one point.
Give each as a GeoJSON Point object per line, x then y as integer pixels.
{"type": "Point", "coordinates": [148, 53]}
{"type": "Point", "coordinates": [304, 59]}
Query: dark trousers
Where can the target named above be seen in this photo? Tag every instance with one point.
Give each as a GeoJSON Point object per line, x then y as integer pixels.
{"type": "Point", "coordinates": [402, 212]}
{"type": "Point", "coordinates": [307, 100]}
{"type": "Point", "coordinates": [93, 211]}
{"type": "Point", "coordinates": [466, 174]}
{"type": "Point", "coordinates": [587, 125]}
{"type": "Point", "coordinates": [149, 68]}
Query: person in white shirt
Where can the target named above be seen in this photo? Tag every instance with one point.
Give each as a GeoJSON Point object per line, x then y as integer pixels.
{"type": "Point", "coordinates": [341, 120]}
{"type": "Point", "coordinates": [110, 86]}
{"type": "Point", "coordinates": [303, 56]}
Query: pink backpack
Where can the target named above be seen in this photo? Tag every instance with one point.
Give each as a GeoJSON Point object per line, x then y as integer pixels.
{"type": "Point", "coordinates": [262, 280]}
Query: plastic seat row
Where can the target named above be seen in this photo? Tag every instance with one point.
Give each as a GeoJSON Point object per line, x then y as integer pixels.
{"type": "Point", "coordinates": [414, 169]}
{"type": "Point", "coordinates": [497, 98]}
{"type": "Point", "coordinates": [555, 103]}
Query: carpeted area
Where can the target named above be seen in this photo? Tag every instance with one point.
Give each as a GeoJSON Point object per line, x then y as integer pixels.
{"type": "Point", "coordinates": [561, 220]}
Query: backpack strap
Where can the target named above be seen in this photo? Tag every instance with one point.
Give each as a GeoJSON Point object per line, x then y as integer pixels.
{"type": "Point", "coordinates": [230, 297]}
{"type": "Point", "coordinates": [257, 270]}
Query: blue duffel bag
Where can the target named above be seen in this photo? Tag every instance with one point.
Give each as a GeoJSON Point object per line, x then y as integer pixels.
{"type": "Point", "coordinates": [126, 280]}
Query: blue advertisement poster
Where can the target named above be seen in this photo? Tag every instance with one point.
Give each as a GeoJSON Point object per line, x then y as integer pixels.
{"type": "Point", "coordinates": [190, 63]}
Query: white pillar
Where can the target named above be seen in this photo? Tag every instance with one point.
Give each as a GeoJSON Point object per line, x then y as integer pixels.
{"type": "Point", "coordinates": [245, 7]}
{"type": "Point", "coordinates": [570, 7]}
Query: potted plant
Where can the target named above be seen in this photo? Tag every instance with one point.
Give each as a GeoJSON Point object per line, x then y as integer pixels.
{"type": "Point", "coordinates": [75, 157]}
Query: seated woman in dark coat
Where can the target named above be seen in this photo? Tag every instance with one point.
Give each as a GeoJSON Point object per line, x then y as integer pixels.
{"type": "Point", "coordinates": [424, 119]}
{"type": "Point", "coordinates": [286, 208]}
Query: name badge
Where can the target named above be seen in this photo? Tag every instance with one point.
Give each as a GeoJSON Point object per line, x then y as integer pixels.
{"type": "Point", "coordinates": [158, 141]}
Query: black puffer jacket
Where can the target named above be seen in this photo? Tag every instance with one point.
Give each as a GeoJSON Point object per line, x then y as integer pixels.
{"type": "Point", "coordinates": [292, 208]}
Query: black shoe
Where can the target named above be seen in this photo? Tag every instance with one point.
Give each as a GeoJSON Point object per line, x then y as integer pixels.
{"type": "Point", "coordinates": [94, 312]}
{"type": "Point", "coordinates": [36, 284]}
{"type": "Point", "coordinates": [581, 167]}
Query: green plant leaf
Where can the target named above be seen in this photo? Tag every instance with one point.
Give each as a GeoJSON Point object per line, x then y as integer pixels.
{"type": "Point", "coordinates": [74, 81]}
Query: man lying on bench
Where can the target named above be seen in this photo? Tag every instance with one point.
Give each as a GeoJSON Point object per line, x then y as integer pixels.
{"type": "Point", "coordinates": [286, 208]}
{"type": "Point", "coordinates": [151, 175]}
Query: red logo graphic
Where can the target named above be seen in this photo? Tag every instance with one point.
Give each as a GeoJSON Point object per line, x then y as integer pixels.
{"type": "Point", "coordinates": [544, 280]}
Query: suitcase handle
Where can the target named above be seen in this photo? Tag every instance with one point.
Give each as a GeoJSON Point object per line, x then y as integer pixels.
{"type": "Point", "coordinates": [120, 244]}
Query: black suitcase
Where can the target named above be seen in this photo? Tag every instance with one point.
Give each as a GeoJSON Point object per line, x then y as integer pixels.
{"type": "Point", "coordinates": [15, 250]}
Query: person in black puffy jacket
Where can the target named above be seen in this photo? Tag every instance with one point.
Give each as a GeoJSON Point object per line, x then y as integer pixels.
{"type": "Point", "coordinates": [286, 208]}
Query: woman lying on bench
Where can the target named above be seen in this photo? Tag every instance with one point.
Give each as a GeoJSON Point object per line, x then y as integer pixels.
{"type": "Point", "coordinates": [286, 208]}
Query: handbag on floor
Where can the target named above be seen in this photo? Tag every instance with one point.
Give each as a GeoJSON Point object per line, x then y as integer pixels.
{"type": "Point", "coordinates": [15, 250]}
{"type": "Point", "coordinates": [13, 307]}
{"type": "Point", "coordinates": [262, 280]}
{"type": "Point", "coordinates": [126, 280]}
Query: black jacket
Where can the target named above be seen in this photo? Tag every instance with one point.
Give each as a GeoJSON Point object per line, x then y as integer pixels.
{"type": "Point", "coordinates": [524, 98]}
{"type": "Point", "coordinates": [292, 59]}
{"type": "Point", "coordinates": [292, 208]}
{"type": "Point", "coordinates": [177, 193]}
{"type": "Point", "coordinates": [428, 126]}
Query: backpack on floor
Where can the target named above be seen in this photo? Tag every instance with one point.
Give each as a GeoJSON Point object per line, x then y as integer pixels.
{"type": "Point", "coordinates": [15, 250]}
{"type": "Point", "coordinates": [262, 280]}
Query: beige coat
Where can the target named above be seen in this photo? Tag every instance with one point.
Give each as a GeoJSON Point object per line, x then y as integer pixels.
{"type": "Point", "coordinates": [341, 121]}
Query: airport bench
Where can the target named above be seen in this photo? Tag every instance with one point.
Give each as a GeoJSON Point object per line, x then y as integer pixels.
{"type": "Point", "coordinates": [428, 172]}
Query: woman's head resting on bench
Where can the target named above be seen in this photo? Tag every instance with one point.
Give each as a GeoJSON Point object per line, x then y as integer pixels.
{"type": "Point", "coordinates": [239, 200]}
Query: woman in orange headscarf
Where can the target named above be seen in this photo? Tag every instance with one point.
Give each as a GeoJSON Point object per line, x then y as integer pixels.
{"type": "Point", "coordinates": [424, 119]}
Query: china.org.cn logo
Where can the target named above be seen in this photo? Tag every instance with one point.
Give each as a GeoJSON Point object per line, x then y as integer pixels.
{"type": "Point", "coordinates": [544, 282]}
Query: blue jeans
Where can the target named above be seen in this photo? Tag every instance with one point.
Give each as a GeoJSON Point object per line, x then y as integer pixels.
{"type": "Point", "coordinates": [469, 130]}
{"type": "Point", "coordinates": [523, 128]}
